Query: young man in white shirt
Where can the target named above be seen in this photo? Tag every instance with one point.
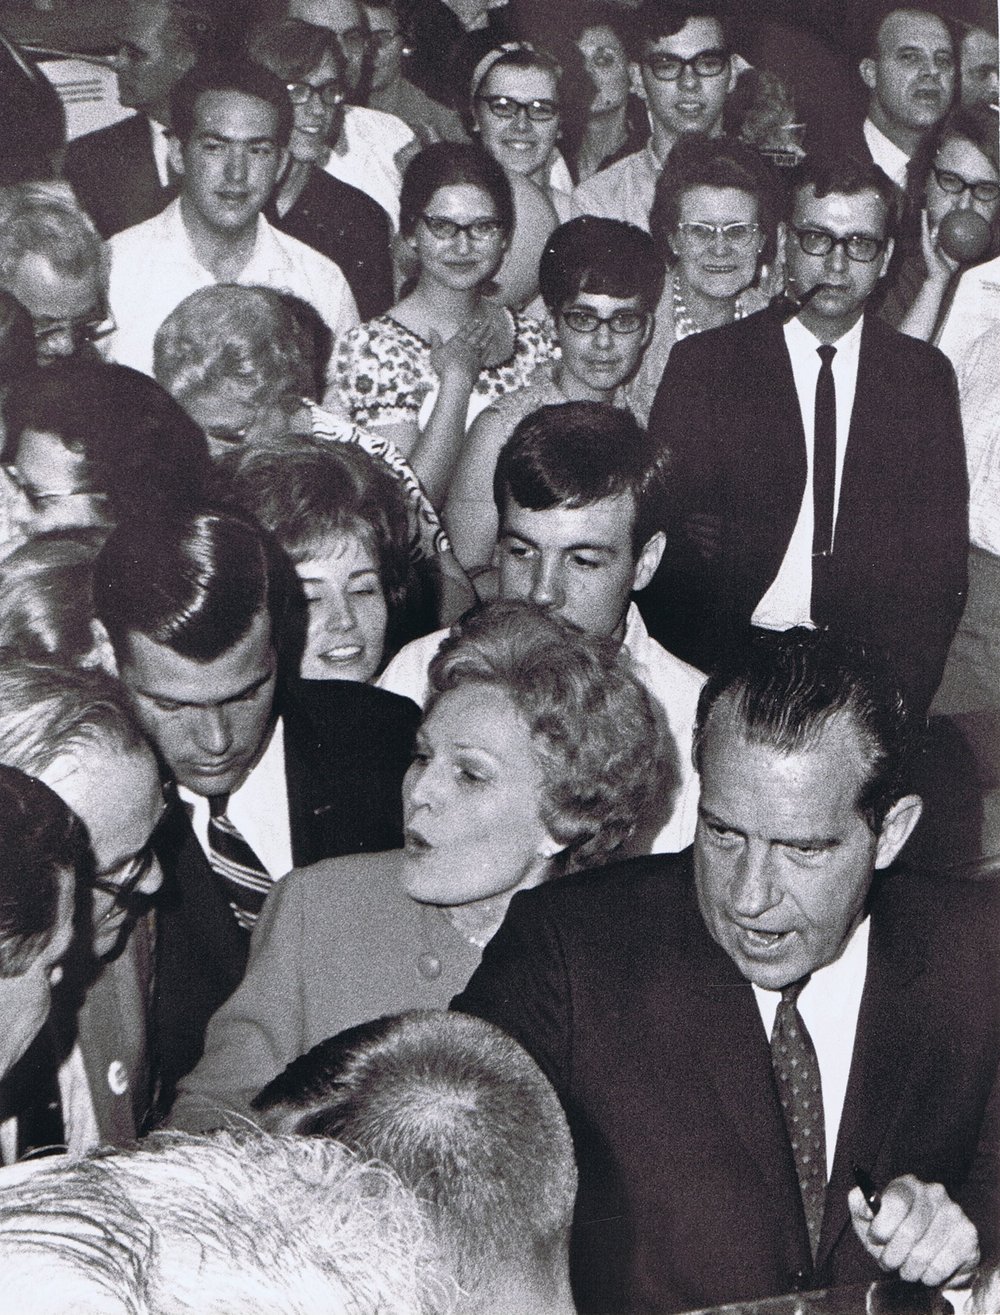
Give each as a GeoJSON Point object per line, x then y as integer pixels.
{"type": "Point", "coordinates": [231, 124]}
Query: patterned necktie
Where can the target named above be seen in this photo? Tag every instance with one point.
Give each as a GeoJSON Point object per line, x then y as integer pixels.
{"type": "Point", "coordinates": [244, 876]}
{"type": "Point", "coordinates": [796, 1070]}
{"type": "Point", "coordinates": [824, 473]}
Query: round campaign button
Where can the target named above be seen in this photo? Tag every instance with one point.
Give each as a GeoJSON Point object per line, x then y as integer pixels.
{"type": "Point", "coordinates": [429, 966]}
{"type": "Point", "coordinates": [118, 1077]}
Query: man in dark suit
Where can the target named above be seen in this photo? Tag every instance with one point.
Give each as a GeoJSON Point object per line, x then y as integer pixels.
{"type": "Point", "coordinates": [818, 473]}
{"type": "Point", "coordinates": [120, 174]}
{"type": "Point", "coordinates": [262, 781]}
{"type": "Point", "coordinates": [733, 1029]}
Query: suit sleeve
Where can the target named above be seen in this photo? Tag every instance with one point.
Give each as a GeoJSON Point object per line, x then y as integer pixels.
{"type": "Point", "coordinates": [522, 986]}
{"type": "Point", "coordinates": [260, 1028]}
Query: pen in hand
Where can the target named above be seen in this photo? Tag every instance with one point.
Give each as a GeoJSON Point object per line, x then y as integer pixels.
{"type": "Point", "coordinates": [873, 1198]}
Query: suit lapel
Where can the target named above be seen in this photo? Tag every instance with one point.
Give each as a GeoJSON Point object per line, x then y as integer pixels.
{"type": "Point", "coordinates": [885, 1047]}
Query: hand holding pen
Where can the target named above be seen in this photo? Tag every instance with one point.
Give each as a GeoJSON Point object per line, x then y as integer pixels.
{"type": "Point", "coordinates": [913, 1228]}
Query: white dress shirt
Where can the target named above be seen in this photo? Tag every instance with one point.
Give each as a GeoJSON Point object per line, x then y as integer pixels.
{"type": "Point", "coordinates": [886, 154]}
{"type": "Point", "coordinates": [979, 391]}
{"type": "Point", "coordinates": [153, 267]}
{"type": "Point", "coordinates": [258, 809]}
{"type": "Point", "coordinates": [829, 1004]}
{"type": "Point", "coordinates": [367, 155]}
{"type": "Point", "coordinates": [161, 155]}
{"type": "Point", "coordinates": [787, 602]}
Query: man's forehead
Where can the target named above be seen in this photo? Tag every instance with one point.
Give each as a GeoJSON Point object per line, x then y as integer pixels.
{"type": "Point", "coordinates": [48, 292]}
{"type": "Point", "coordinates": [842, 212]}
{"type": "Point", "coordinates": [337, 15]}
{"type": "Point", "coordinates": [905, 27]}
{"type": "Point", "coordinates": [697, 34]}
{"type": "Point", "coordinates": [607, 521]}
{"type": "Point", "coordinates": [157, 670]}
{"type": "Point", "coordinates": [232, 113]}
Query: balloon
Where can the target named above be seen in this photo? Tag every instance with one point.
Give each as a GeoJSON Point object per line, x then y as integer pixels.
{"type": "Point", "coordinates": [534, 221]}
{"type": "Point", "coordinates": [964, 235]}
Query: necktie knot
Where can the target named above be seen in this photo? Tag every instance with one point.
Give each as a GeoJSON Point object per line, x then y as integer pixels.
{"type": "Point", "coordinates": [217, 805]}
{"type": "Point", "coordinates": [827, 352]}
{"type": "Point", "coordinates": [791, 992]}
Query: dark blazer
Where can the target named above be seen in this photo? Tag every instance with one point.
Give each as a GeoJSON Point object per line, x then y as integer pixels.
{"type": "Point", "coordinates": [688, 1194]}
{"type": "Point", "coordinates": [349, 228]}
{"type": "Point", "coordinates": [727, 412]}
{"type": "Point", "coordinates": [114, 175]}
{"type": "Point", "coordinates": [347, 747]}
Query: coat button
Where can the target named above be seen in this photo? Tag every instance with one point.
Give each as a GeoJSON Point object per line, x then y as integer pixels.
{"type": "Point", "coordinates": [118, 1077]}
{"type": "Point", "coordinates": [429, 967]}
{"type": "Point", "coordinates": [801, 1280]}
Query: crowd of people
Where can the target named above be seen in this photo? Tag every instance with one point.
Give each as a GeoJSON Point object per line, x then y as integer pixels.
{"type": "Point", "coordinates": [500, 660]}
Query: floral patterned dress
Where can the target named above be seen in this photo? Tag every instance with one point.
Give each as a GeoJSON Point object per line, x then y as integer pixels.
{"type": "Point", "coordinates": [384, 374]}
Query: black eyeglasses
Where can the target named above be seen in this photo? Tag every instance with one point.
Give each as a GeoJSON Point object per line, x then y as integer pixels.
{"type": "Point", "coordinates": [120, 882]}
{"type": "Point", "coordinates": [506, 107]}
{"type": "Point", "coordinates": [622, 322]}
{"type": "Point", "coordinates": [955, 185]}
{"type": "Point", "coordinates": [668, 68]}
{"type": "Point", "coordinates": [91, 328]}
{"type": "Point", "coordinates": [354, 41]}
{"type": "Point", "coordinates": [860, 247]}
{"type": "Point", "coordinates": [330, 93]}
{"type": "Point", "coordinates": [480, 230]}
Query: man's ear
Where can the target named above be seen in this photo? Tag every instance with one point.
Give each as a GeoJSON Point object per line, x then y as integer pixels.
{"type": "Point", "coordinates": [175, 154]}
{"type": "Point", "coordinates": [887, 256]}
{"type": "Point", "coordinates": [897, 828]}
{"type": "Point", "coordinates": [868, 68]}
{"type": "Point", "coordinates": [649, 560]}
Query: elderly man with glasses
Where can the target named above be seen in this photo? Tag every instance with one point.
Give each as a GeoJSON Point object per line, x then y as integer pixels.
{"type": "Point", "coordinates": [682, 60]}
{"type": "Point", "coordinates": [818, 475]}
{"type": "Point", "coordinates": [87, 1079]}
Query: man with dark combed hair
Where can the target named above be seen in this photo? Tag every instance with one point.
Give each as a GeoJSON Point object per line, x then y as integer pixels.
{"type": "Point", "coordinates": [817, 470]}
{"type": "Point", "coordinates": [471, 1124]}
{"type": "Point", "coordinates": [791, 1013]}
{"type": "Point", "coordinates": [195, 609]}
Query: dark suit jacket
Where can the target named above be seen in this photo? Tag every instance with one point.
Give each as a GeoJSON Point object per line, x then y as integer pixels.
{"type": "Point", "coordinates": [655, 1045]}
{"type": "Point", "coordinates": [348, 227]}
{"type": "Point", "coordinates": [114, 175]}
{"type": "Point", "coordinates": [728, 413]}
{"type": "Point", "coordinates": [347, 747]}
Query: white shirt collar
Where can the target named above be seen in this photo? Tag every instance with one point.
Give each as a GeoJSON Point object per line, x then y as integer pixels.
{"type": "Point", "coordinates": [158, 138]}
{"type": "Point", "coordinates": [886, 154]}
{"type": "Point", "coordinates": [797, 334]}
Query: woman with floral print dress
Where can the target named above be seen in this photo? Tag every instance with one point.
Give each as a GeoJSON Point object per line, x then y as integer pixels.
{"type": "Point", "coordinates": [422, 372]}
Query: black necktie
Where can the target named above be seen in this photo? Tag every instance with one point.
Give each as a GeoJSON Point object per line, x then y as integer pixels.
{"type": "Point", "coordinates": [796, 1070]}
{"type": "Point", "coordinates": [824, 472]}
{"type": "Point", "coordinates": [244, 876]}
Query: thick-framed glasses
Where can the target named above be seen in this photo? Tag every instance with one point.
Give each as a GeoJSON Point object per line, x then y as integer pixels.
{"type": "Point", "coordinates": [621, 322]}
{"type": "Point", "coordinates": [697, 233]}
{"type": "Point", "coordinates": [860, 247]}
{"type": "Point", "coordinates": [954, 184]}
{"type": "Point", "coordinates": [120, 882]}
{"type": "Point", "coordinates": [506, 107]}
{"type": "Point", "coordinates": [381, 39]}
{"type": "Point", "coordinates": [37, 498]}
{"type": "Point", "coordinates": [330, 93]}
{"type": "Point", "coordinates": [446, 230]}
{"type": "Point", "coordinates": [668, 68]}
{"type": "Point", "coordinates": [92, 328]}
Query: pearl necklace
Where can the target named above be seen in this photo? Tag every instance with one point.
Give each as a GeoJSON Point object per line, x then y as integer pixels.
{"type": "Point", "coordinates": [684, 322]}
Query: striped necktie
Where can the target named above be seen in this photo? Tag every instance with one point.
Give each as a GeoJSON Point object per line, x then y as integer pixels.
{"type": "Point", "coordinates": [796, 1070]}
{"type": "Point", "coordinates": [244, 876]}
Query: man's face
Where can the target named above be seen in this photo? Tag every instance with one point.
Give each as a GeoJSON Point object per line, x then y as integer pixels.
{"type": "Point", "coordinates": [979, 68]}
{"type": "Point", "coordinates": [783, 859]}
{"type": "Point", "coordinates": [576, 560]}
{"type": "Point", "coordinates": [209, 721]}
{"type": "Point", "coordinates": [63, 307]}
{"type": "Point", "coordinates": [53, 490]}
{"type": "Point", "coordinates": [913, 78]}
{"type": "Point", "coordinates": [689, 102]}
{"type": "Point", "coordinates": [25, 1000]}
{"type": "Point", "coordinates": [231, 162]}
{"type": "Point", "coordinates": [148, 63]}
{"type": "Point", "coordinates": [346, 19]}
{"type": "Point", "coordinates": [845, 285]}
{"type": "Point", "coordinates": [119, 799]}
